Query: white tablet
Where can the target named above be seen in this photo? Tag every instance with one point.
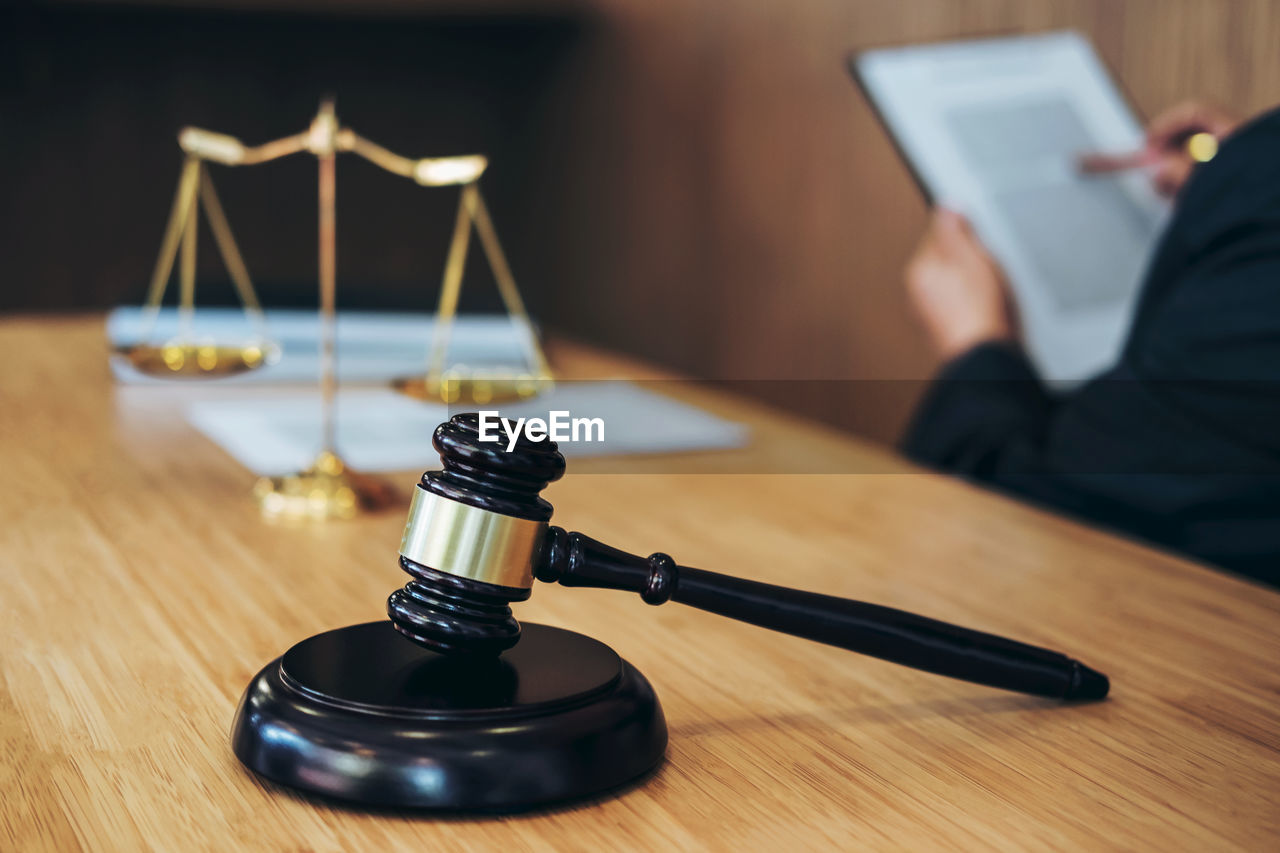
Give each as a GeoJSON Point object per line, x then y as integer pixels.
{"type": "Point", "coordinates": [993, 128]}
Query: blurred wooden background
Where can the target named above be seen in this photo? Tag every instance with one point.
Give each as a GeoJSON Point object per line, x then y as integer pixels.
{"type": "Point", "coordinates": [751, 219]}
{"type": "Point", "coordinates": [92, 97]}
{"type": "Point", "coordinates": [694, 181]}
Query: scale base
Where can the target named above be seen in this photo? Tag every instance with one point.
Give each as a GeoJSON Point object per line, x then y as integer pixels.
{"type": "Point", "coordinates": [365, 715]}
{"type": "Point", "coordinates": [328, 489]}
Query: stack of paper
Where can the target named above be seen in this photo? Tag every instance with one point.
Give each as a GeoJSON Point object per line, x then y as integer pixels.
{"type": "Point", "coordinates": [380, 430]}
{"type": "Point", "coordinates": [371, 347]}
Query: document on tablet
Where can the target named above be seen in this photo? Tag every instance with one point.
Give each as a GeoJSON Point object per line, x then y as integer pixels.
{"type": "Point", "coordinates": [993, 128]}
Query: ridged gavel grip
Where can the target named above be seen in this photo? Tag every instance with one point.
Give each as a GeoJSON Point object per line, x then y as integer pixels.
{"type": "Point", "coordinates": [883, 632]}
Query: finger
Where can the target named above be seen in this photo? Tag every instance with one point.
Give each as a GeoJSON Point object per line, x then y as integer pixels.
{"type": "Point", "coordinates": [1171, 126]}
{"type": "Point", "coordinates": [950, 231]}
{"type": "Point", "coordinates": [1171, 175]}
{"type": "Point", "coordinates": [927, 246]}
{"type": "Point", "coordinates": [956, 237]}
{"type": "Point", "coordinates": [951, 220]}
{"type": "Point", "coordinates": [1100, 163]}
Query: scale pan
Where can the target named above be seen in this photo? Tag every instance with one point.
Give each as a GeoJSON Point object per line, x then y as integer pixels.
{"type": "Point", "coordinates": [185, 360]}
{"type": "Point", "coordinates": [461, 386]}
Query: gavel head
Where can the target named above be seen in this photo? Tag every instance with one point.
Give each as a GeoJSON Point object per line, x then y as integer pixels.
{"type": "Point", "coordinates": [475, 531]}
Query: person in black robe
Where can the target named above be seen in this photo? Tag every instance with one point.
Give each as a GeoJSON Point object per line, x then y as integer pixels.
{"type": "Point", "coordinates": [1179, 442]}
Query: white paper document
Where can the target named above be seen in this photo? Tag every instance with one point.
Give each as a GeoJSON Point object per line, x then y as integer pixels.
{"type": "Point", "coordinates": [380, 430]}
{"type": "Point", "coordinates": [371, 346]}
{"type": "Point", "coordinates": [994, 129]}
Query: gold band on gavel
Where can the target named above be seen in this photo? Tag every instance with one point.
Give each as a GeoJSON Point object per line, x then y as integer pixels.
{"type": "Point", "coordinates": [470, 542]}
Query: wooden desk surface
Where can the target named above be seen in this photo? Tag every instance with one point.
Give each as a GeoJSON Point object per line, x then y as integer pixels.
{"type": "Point", "coordinates": [140, 591]}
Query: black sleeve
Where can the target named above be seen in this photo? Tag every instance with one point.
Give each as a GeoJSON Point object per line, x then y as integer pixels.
{"type": "Point", "coordinates": [1179, 444]}
{"type": "Point", "coordinates": [982, 406]}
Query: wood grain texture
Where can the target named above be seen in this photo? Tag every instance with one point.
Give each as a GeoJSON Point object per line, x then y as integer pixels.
{"type": "Point", "coordinates": [140, 591]}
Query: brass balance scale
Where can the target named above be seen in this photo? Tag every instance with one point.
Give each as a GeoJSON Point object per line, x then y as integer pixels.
{"type": "Point", "coordinates": [328, 488]}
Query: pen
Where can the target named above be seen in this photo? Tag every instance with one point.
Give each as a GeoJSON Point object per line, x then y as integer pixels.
{"type": "Point", "coordinates": [1199, 145]}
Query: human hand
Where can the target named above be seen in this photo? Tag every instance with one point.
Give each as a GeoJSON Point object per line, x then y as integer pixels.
{"type": "Point", "coordinates": [1167, 152]}
{"type": "Point", "coordinates": [956, 288]}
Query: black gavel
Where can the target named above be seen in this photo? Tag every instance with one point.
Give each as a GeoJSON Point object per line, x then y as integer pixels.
{"type": "Point", "coordinates": [478, 536]}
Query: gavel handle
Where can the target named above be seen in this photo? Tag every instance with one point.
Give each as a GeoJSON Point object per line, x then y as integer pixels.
{"type": "Point", "coordinates": [883, 632]}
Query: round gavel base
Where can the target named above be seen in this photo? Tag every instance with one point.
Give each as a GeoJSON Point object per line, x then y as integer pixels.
{"type": "Point", "coordinates": [363, 714]}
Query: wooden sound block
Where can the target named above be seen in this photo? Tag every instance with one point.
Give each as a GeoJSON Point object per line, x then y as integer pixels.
{"type": "Point", "coordinates": [365, 715]}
